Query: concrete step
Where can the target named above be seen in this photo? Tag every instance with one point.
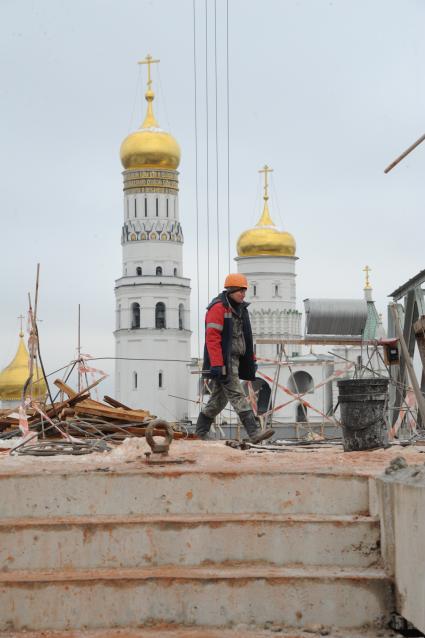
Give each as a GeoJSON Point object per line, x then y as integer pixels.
{"type": "Point", "coordinates": [173, 490]}
{"type": "Point", "coordinates": [206, 632]}
{"type": "Point", "coordinates": [315, 631]}
{"type": "Point", "coordinates": [219, 596]}
{"type": "Point", "coordinates": [188, 539]}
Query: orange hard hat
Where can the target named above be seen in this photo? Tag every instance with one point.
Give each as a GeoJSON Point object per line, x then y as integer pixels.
{"type": "Point", "coordinates": [236, 280]}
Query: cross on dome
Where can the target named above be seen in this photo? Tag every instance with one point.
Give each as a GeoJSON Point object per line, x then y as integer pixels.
{"type": "Point", "coordinates": [266, 170]}
{"type": "Point", "coordinates": [149, 60]}
{"type": "Point", "coordinates": [367, 270]}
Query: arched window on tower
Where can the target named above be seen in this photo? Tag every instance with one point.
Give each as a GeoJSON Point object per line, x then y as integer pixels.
{"type": "Point", "coordinates": [138, 270]}
{"type": "Point", "coordinates": [175, 272]}
{"type": "Point", "coordinates": [160, 321]}
{"type": "Point", "coordinates": [135, 315]}
{"type": "Point", "coordinates": [181, 316]}
{"type": "Point", "coordinates": [146, 206]}
{"type": "Point", "coordinates": [158, 271]}
{"type": "Point", "coordinates": [156, 206]}
{"type": "Point", "coordinates": [167, 206]}
{"type": "Point", "coordinates": [160, 379]}
{"type": "Point", "coordinates": [301, 413]}
{"type": "Point", "coordinates": [119, 317]}
{"type": "Point", "coordinates": [134, 380]}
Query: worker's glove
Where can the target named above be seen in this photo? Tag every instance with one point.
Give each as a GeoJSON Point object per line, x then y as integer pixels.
{"type": "Point", "coordinates": [215, 372]}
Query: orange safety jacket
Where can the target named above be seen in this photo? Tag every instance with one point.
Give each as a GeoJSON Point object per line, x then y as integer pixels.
{"type": "Point", "coordinates": [218, 338]}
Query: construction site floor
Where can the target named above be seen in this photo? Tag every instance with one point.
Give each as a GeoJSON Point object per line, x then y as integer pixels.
{"type": "Point", "coordinates": [215, 456]}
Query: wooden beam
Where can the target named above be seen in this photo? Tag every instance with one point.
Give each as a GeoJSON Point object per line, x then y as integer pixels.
{"type": "Point", "coordinates": [115, 403]}
{"type": "Point", "coordinates": [326, 340]}
{"type": "Point", "coordinates": [408, 362]}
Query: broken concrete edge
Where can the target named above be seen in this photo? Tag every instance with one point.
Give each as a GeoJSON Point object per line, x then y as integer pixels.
{"type": "Point", "coordinates": [242, 631]}
{"type": "Point", "coordinates": [400, 494]}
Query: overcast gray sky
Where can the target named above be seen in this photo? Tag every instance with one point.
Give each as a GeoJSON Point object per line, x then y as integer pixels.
{"type": "Point", "coordinates": [326, 92]}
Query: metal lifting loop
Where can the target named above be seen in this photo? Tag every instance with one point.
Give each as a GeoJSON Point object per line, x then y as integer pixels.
{"type": "Point", "coordinates": [159, 424]}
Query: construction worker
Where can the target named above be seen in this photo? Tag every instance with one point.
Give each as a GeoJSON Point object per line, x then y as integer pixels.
{"type": "Point", "coordinates": [228, 357]}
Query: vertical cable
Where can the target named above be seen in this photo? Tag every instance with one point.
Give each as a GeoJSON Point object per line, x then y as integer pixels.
{"type": "Point", "coordinates": [207, 149]}
{"type": "Point", "coordinates": [228, 133]}
{"type": "Point", "coordinates": [196, 175]}
{"type": "Point", "coordinates": [216, 146]}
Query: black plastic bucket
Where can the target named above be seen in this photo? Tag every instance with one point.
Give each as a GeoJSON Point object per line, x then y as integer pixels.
{"type": "Point", "coordinates": [362, 403]}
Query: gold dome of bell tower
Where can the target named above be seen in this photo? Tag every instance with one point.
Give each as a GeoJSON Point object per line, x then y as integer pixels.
{"type": "Point", "coordinates": [150, 146]}
{"type": "Point", "coordinates": [266, 238]}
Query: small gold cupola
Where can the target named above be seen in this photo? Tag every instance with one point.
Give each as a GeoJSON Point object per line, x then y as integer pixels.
{"type": "Point", "coordinates": [14, 376]}
{"type": "Point", "coordinates": [150, 146]}
{"type": "Point", "coordinates": [266, 238]}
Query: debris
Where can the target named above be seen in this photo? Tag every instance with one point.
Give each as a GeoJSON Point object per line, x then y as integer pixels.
{"type": "Point", "coordinates": [78, 415]}
{"type": "Point", "coordinates": [53, 448]}
{"type": "Point", "coordinates": [398, 463]}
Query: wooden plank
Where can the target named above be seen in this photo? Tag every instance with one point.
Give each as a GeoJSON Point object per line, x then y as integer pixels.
{"type": "Point", "coordinates": [113, 414]}
{"type": "Point", "coordinates": [66, 389]}
{"type": "Point", "coordinates": [115, 403]}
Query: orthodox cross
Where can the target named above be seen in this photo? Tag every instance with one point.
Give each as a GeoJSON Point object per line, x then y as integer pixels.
{"type": "Point", "coordinates": [149, 60]}
{"type": "Point", "coordinates": [266, 170]}
{"type": "Point", "coordinates": [367, 270]}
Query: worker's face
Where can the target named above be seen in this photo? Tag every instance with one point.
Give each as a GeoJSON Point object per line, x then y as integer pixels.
{"type": "Point", "coordinates": [238, 296]}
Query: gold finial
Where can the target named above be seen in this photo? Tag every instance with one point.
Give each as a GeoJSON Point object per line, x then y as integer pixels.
{"type": "Point", "coordinates": [21, 331]}
{"type": "Point", "coordinates": [266, 170]}
{"type": "Point", "coordinates": [150, 121]}
{"type": "Point", "coordinates": [367, 270]}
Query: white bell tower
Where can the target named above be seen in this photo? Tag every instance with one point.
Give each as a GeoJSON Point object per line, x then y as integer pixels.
{"type": "Point", "coordinates": [152, 334]}
{"type": "Point", "coordinates": [266, 256]}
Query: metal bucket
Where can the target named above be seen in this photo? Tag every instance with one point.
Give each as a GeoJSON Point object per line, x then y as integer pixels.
{"type": "Point", "coordinates": [362, 403]}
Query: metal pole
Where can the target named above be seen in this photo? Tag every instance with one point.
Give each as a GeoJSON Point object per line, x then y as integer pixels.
{"type": "Point", "coordinates": [79, 348]}
{"type": "Point", "coordinates": [403, 155]}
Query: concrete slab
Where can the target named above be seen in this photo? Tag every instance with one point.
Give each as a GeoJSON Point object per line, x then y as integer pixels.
{"type": "Point", "coordinates": [215, 597]}
{"type": "Point", "coordinates": [160, 631]}
{"type": "Point", "coordinates": [177, 491]}
{"type": "Point", "coordinates": [206, 489]}
{"type": "Point", "coordinates": [402, 505]}
{"type": "Point", "coordinates": [216, 457]}
{"type": "Point", "coordinates": [191, 539]}
{"type": "Point", "coordinates": [211, 478]}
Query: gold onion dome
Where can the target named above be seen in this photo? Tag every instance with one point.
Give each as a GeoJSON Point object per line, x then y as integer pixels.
{"type": "Point", "coordinates": [14, 376]}
{"type": "Point", "coordinates": [150, 146]}
{"type": "Point", "coordinates": [266, 238]}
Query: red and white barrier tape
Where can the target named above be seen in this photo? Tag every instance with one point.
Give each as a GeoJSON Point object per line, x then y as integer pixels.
{"type": "Point", "coordinates": [300, 396]}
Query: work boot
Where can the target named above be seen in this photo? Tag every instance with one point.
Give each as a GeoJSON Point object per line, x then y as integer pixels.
{"type": "Point", "coordinates": [250, 423]}
{"type": "Point", "coordinates": [203, 425]}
